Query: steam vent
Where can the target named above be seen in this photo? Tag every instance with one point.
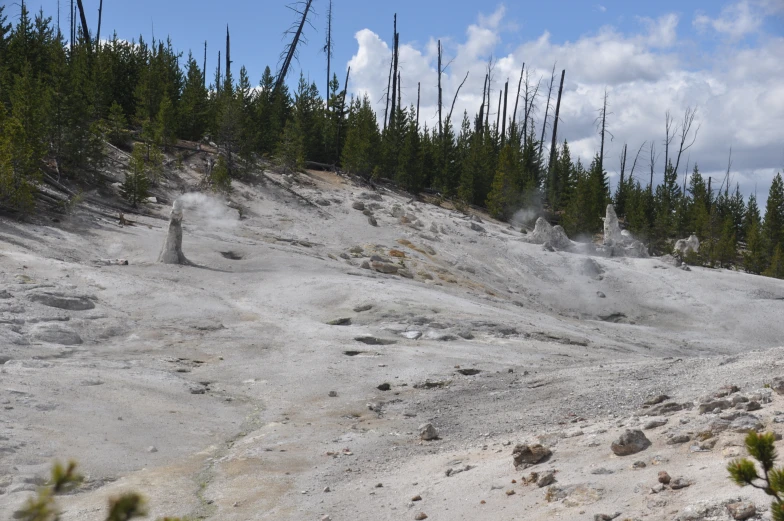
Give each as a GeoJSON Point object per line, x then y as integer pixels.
{"type": "Point", "coordinates": [171, 253]}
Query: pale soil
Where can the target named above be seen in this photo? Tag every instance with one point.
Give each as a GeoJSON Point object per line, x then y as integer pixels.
{"type": "Point", "coordinates": [264, 438]}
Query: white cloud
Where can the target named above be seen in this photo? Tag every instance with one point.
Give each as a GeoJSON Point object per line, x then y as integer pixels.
{"type": "Point", "coordinates": [739, 92]}
{"type": "Point", "coordinates": [736, 20]}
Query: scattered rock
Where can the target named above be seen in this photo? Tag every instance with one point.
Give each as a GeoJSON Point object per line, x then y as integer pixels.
{"type": "Point", "coordinates": [712, 405]}
{"type": "Point", "coordinates": [427, 432]}
{"type": "Point", "coordinates": [745, 423]}
{"type": "Point", "coordinates": [384, 387]}
{"type": "Point", "coordinates": [412, 335]}
{"type": "Point", "coordinates": [469, 372]}
{"type": "Point", "coordinates": [778, 384]}
{"type": "Point", "coordinates": [679, 483]}
{"type": "Point", "coordinates": [340, 322]}
{"type": "Point", "coordinates": [742, 510]}
{"type": "Point", "coordinates": [665, 409]}
{"type": "Point", "coordinates": [653, 424]}
{"type": "Point", "coordinates": [600, 294]}
{"type": "Point", "coordinates": [420, 516]}
{"type": "Point", "coordinates": [546, 479]}
{"type": "Point", "coordinates": [630, 442]}
{"type": "Point", "coordinates": [679, 439]}
{"type": "Point", "coordinates": [372, 221]}
{"type": "Point", "coordinates": [526, 455]}
{"type": "Point", "coordinates": [62, 301]}
{"type": "Point", "coordinates": [333, 394]}
{"type": "Point", "coordinates": [358, 205]}
{"type": "Point", "coordinates": [477, 228]}
{"type": "Point", "coordinates": [151, 449]}
{"type": "Point", "coordinates": [664, 478]}
{"type": "Point", "coordinates": [606, 517]}
{"type": "Point", "coordinates": [416, 498]}
{"type": "Point", "coordinates": [55, 334]}
{"type": "Point", "coordinates": [374, 341]}
{"type": "Point", "coordinates": [362, 308]}
{"type": "Point", "coordinates": [384, 267]}
{"type": "Point", "coordinates": [656, 400]}
{"type": "Point", "coordinates": [752, 406]}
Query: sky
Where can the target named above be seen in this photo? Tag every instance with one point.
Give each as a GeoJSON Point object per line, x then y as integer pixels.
{"type": "Point", "coordinates": [722, 58]}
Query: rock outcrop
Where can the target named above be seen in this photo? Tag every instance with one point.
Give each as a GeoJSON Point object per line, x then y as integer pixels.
{"type": "Point", "coordinates": [553, 236]}
{"type": "Point", "coordinates": [617, 242]}
{"type": "Point", "coordinates": [684, 247]}
{"type": "Point", "coordinates": [171, 253]}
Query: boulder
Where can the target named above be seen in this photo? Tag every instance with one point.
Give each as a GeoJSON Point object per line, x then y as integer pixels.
{"type": "Point", "coordinates": [55, 334]}
{"type": "Point", "coordinates": [525, 455]}
{"type": "Point", "coordinates": [427, 432]}
{"type": "Point", "coordinates": [62, 301]}
{"type": "Point", "coordinates": [712, 405]}
{"type": "Point", "coordinates": [630, 442]}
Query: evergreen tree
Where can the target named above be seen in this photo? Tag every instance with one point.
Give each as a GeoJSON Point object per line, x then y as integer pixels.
{"type": "Point", "coordinates": [136, 185]}
{"type": "Point", "coordinates": [773, 227]}
{"type": "Point", "coordinates": [754, 260]}
{"type": "Point", "coordinates": [116, 125]}
{"type": "Point", "coordinates": [504, 198]}
{"type": "Point", "coordinates": [193, 106]}
{"type": "Point", "coordinates": [291, 149]}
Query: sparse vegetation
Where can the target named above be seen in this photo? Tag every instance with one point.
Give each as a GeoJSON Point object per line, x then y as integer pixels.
{"type": "Point", "coordinates": [745, 472]}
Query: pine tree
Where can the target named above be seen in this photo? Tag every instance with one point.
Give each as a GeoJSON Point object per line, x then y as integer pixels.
{"type": "Point", "coordinates": [166, 124]}
{"type": "Point", "coordinates": [291, 150]}
{"type": "Point", "coordinates": [136, 185]}
{"type": "Point", "coordinates": [504, 198]}
{"type": "Point", "coordinates": [773, 227]}
{"type": "Point", "coordinates": [754, 260]}
{"type": "Point", "coordinates": [117, 124]}
{"type": "Point", "coordinates": [409, 169]}
{"type": "Point", "coordinates": [193, 106]}
{"type": "Point", "coordinates": [776, 268]}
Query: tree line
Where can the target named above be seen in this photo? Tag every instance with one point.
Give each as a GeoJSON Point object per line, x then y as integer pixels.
{"type": "Point", "coordinates": [63, 103]}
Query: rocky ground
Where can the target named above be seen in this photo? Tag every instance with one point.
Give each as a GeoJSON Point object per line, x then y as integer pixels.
{"type": "Point", "coordinates": [288, 372]}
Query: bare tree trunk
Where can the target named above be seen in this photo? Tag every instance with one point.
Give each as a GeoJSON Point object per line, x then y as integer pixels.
{"type": "Point", "coordinates": [530, 103]}
{"type": "Point", "coordinates": [604, 121]}
{"type": "Point", "coordinates": [217, 87]}
{"type": "Point", "coordinates": [98, 34]}
{"type": "Point", "coordinates": [399, 91]}
{"type": "Point", "coordinates": [342, 112]}
{"type": "Point", "coordinates": [480, 121]}
{"type": "Point", "coordinates": [619, 201]}
{"type": "Point", "coordinates": [440, 120]}
{"type": "Point", "coordinates": [228, 58]}
{"type": "Point", "coordinates": [503, 123]}
{"type": "Point", "coordinates": [204, 66]}
{"type": "Point", "coordinates": [688, 121]}
{"type": "Point", "coordinates": [498, 114]}
{"type": "Point", "coordinates": [393, 113]}
{"type": "Point", "coordinates": [546, 111]}
{"type": "Point", "coordinates": [555, 123]}
{"type": "Point", "coordinates": [419, 87]}
{"type": "Point", "coordinates": [389, 86]}
{"type": "Point", "coordinates": [517, 98]}
{"type": "Point", "coordinates": [292, 47]}
{"type": "Point", "coordinates": [653, 165]}
{"type": "Point", "coordinates": [669, 136]}
{"type": "Point", "coordinates": [634, 164]}
{"type": "Point", "coordinates": [449, 117]}
{"type": "Point", "coordinates": [328, 49]}
{"type": "Point", "coordinates": [85, 30]}
{"type": "Point", "coordinates": [71, 19]}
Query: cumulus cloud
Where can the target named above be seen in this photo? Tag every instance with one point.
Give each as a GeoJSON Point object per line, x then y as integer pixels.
{"type": "Point", "coordinates": [735, 21]}
{"type": "Point", "coordinates": [738, 91]}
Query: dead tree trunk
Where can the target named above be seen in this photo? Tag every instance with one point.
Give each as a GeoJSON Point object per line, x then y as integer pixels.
{"type": "Point", "coordinates": [517, 98]}
{"type": "Point", "coordinates": [604, 122]}
{"type": "Point", "coordinates": [98, 34]}
{"type": "Point", "coordinates": [498, 114]}
{"type": "Point", "coordinates": [71, 28]}
{"type": "Point", "coordinates": [480, 121]}
{"type": "Point", "coordinates": [546, 111]}
{"type": "Point", "coordinates": [204, 66]}
{"type": "Point", "coordinates": [688, 121]}
{"type": "Point", "coordinates": [440, 119]}
{"type": "Point", "coordinates": [218, 79]}
{"type": "Point", "coordinates": [652, 164]}
{"type": "Point", "coordinates": [669, 133]}
{"type": "Point", "coordinates": [621, 187]}
{"type": "Point", "coordinates": [393, 113]}
{"type": "Point", "coordinates": [634, 164]}
{"type": "Point", "coordinates": [555, 125]}
{"type": "Point", "coordinates": [228, 59]}
{"type": "Point", "coordinates": [389, 86]}
{"type": "Point", "coordinates": [292, 47]}
{"type": "Point", "coordinates": [419, 91]}
{"type": "Point", "coordinates": [342, 112]}
{"type": "Point", "coordinates": [503, 121]}
{"type": "Point", "coordinates": [449, 117]}
{"type": "Point", "coordinates": [328, 49]}
{"type": "Point", "coordinates": [83, 18]}
{"type": "Point", "coordinates": [399, 91]}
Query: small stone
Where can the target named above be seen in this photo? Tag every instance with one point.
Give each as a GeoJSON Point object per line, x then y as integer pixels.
{"type": "Point", "coordinates": [639, 465]}
{"type": "Point", "coordinates": [420, 516]}
{"type": "Point", "coordinates": [358, 205]}
{"type": "Point", "coordinates": [327, 489]}
{"type": "Point", "coordinates": [372, 222]}
{"type": "Point", "coordinates": [664, 478]}
{"type": "Point", "coordinates": [151, 449]}
{"type": "Point", "coordinates": [416, 498]}
{"type": "Point", "coordinates": [656, 400]}
{"type": "Point", "coordinates": [326, 518]}
{"type": "Point", "coordinates": [510, 492]}
{"type": "Point", "coordinates": [679, 439]}
{"type": "Point", "coordinates": [546, 479]}
{"type": "Point", "coordinates": [384, 387]}
{"type": "Point", "coordinates": [753, 406]}
{"type": "Point", "coordinates": [742, 510]}
{"type": "Point", "coordinates": [601, 294]}
{"type": "Point", "coordinates": [679, 483]}
{"type": "Point", "coordinates": [606, 517]}
{"type": "Point", "coordinates": [427, 432]}
{"type": "Point", "coordinates": [379, 485]}
{"type": "Point", "coordinates": [653, 424]}
{"type": "Point", "coordinates": [333, 394]}
{"type": "Point", "coordinates": [363, 308]}
{"type": "Point", "coordinates": [340, 322]}
{"type": "Point", "coordinates": [630, 442]}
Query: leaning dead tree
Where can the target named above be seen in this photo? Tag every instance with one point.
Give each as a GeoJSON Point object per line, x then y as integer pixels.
{"type": "Point", "coordinates": [517, 98]}
{"type": "Point", "coordinates": [449, 116]}
{"type": "Point", "coordinates": [555, 126]}
{"type": "Point", "coordinates": [480, 119]}
{"type": "Point", "coordinates": [302, 9]}
{"type": "Point", "coordinates": [83, 18]}
{"type": "Point", "coordinates": [98, 33]}
{"type": "Point", "coordinates": [547, 110]}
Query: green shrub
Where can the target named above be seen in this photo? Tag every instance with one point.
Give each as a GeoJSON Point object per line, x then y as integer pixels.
{"type": "Point", "coordinates": [744, 472]}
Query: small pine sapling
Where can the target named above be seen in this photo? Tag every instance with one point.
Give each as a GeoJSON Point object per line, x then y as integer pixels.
{"type": "Point", "coordinates": [744, 472]}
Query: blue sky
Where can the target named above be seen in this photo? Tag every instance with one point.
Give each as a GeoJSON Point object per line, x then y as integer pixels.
{"type": "Point", "coordinates": [723, 58]}
{"type": "Point", "coordinates": [257, 27]}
